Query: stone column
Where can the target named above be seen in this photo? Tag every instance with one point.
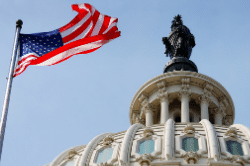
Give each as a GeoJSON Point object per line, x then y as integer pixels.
{"type": "Point", "coordinates": [147, 110]}
{"type": "Point", "coordinates": [220, 113]}
{"type": "Point", "coordinates": [149, 117]}
{"type": "Point", "coordinates": [204, 103]}
{"type": "Point", "coordinates": [185, 96]}
{"type": "Point", "coordinates": [164, 100]}
{"type": "Point", "coordinates": [164, 109]}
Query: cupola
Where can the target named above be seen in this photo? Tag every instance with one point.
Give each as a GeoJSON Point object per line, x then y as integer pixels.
{"type": "Point", "coordinates": [181, 93]}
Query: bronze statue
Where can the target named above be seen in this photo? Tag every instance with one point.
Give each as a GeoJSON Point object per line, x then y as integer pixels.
{"type": "Point", "coordinates": [180, 41]}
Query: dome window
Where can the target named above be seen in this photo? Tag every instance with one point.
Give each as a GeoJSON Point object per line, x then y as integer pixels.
{"type": "Point", "coordinates": [146, 146]}
{"type": "Point", "coordinates": [234, 147]}
{"type": "Point", "coordinates": [104, 155]}
{"type": "Point", "coordinates": [190, 144]}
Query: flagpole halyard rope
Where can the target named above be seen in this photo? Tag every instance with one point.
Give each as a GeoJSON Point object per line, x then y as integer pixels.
{"type": "Point", "coordinates": [9, 84]}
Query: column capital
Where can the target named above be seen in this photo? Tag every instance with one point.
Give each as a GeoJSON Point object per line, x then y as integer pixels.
{"type": "Point", "coordinates": [147, 106]}
{"type": "Point", "coordinates": [205, 96]}
{"type": "Point", "coordinates": [185, 93]}
{"type": "Point", "coordinates": [185, 90]}
{"type": "Point", "coordinates": [228, 120]}
{"type": "Point", "coordinates": [220, 110]}
{"type": "Point", "coordinates": [136, 116]}
{"type": "Point", "coordinates": [143, 97]}
{"type": "Point", "coordinates": [164, 95]}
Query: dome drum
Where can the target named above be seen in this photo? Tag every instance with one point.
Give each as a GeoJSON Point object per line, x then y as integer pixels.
{"type": "Point", "coordinates": [199, 97]}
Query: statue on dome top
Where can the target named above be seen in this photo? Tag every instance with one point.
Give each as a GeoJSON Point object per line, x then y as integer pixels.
{"type": "Point", "coordinates": [180, 41]}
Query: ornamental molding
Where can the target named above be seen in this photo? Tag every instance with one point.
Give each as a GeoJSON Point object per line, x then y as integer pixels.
{"type": "Point", "coordinates": [72, 153]}
{"type": "Point", "coordinates": [207, 93]}
{"type": "Point", "coordinates": [217, 111]}
{"type": "Point", "coordinates": [232, 135]}
{"type": "Point", "coordinates": [224, 101]}
{"type": "Point", "coordinates": [145, 105]}
{"type": "Point", "coordinates": [104, 164]}
{"type": "Point", "coordinates": [163, 95]}
{"type": "Point", "coordinates": [143, 121]}
{"type": "Point", "coordinates": [185, 90]}
{"type": "Point", "coordinates": [146, 159]}
{"type": "Point", "coordinates": [136, 117]}
{"type": "Point", "coordinates": [228, 120]}
{"type": "Point", "coordinates": [208, 87]}
{"type": "Point", "coordinates": [232, 132]}
{"type": "Point", "coordinates": [191, 157]}
{"type": "Point", "coordinates": [100, 147]}
{"type": "Point", "coordinates": [205, 96]}
{"type": "Point", "coordinates": [238, 159]}
{"type": "Point", "coordinates": [189, 129]}
{"type": "Point", "coordinates": [143, 97]}
{"type": "Point", "coordinates": [221, 109]}
{"type": "Point", "coordinates": [185, 84]}
{"type": "Point", "coordinates": [108, 140]}
{"type": "Point", "coordinates": [161, 84]}
{"type": "Point", "coordinates": [157, 144]}
{"type": "Point", "coordinates": [148, 132]}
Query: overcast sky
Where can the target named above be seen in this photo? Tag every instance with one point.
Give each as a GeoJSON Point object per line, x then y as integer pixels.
{"type": "Point", "coordinates": [57, 107]}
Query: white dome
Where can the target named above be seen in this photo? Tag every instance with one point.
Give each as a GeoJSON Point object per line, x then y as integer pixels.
{"type": "Point", "coordinates": [168, 148]}
{"type": "Point", "coordinates": [203, 134]}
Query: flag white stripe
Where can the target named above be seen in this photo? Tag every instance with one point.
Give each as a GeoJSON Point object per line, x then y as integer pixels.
{"type": "Point", "coordinates": [98, 25]}
{"type": "Point", "coordinates": [25, 56]}
{"type": "Point", "coordinates": [71, 52]}
{"type": "Point", "coordinates": [112, 25]}
{"type": "Point", "coordinates": [25, 63]}
{"type": "Point", "coordinates": [76, 26]}
{"type": "Point", "coordinates": [83, 34]}
{"type": "Point", "coordinates": [93, 10]}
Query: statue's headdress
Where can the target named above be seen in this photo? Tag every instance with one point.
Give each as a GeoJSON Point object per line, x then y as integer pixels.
{"type": "Point", "coordinates": [177, 21]}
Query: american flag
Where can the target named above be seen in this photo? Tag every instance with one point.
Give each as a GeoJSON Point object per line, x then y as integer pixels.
{"type": "Point", "coordinates": [87, 32]}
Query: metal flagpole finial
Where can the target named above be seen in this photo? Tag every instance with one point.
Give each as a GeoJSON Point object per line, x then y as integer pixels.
{"type": "Point", "coordinates": [19, 23]}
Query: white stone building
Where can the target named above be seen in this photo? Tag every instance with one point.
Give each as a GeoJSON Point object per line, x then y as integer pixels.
{"type": "Point", "coordinates": [178, 118]}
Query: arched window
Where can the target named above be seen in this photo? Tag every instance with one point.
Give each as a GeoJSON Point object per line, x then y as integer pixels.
{"type": "Point", "coordinates": [69, 163]}
{"type": "Point", "coordinates": [234, 147]}
{"type": "Point", "coordinates": [146, 146]}
{"type": "Point", "coordinates": [190, 144]}
{"type": "Point", "coordinates": [104, 155]}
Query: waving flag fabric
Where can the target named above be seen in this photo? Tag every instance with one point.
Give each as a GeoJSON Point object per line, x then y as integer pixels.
{"type": "Point", "coordinates": [87, 32]}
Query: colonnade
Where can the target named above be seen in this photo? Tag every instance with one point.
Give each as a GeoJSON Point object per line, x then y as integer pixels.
{"type": "Point", "coordinates": [185, 97]}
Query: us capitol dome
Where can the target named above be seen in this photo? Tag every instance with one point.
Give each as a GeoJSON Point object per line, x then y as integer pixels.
{"type": "Point", "coordinates": [179, 118]}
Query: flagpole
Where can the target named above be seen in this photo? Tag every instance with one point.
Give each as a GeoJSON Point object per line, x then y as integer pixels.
{"type": "Point", "coordinates": [9, 84]}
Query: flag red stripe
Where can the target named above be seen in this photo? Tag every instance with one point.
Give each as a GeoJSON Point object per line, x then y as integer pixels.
{"type": "Point", "coordinates": [84, 52]}
{"type": "Point", "coordinates": [72, 45]}
{"type": "Point", "coordinates": [95, 17]}
{"type": "Point", "coordinates": [77, 18]}
{"type": "Point", "coordinates": [77, 32]}
{"type": "Point", "coordinates": [105, 24]}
